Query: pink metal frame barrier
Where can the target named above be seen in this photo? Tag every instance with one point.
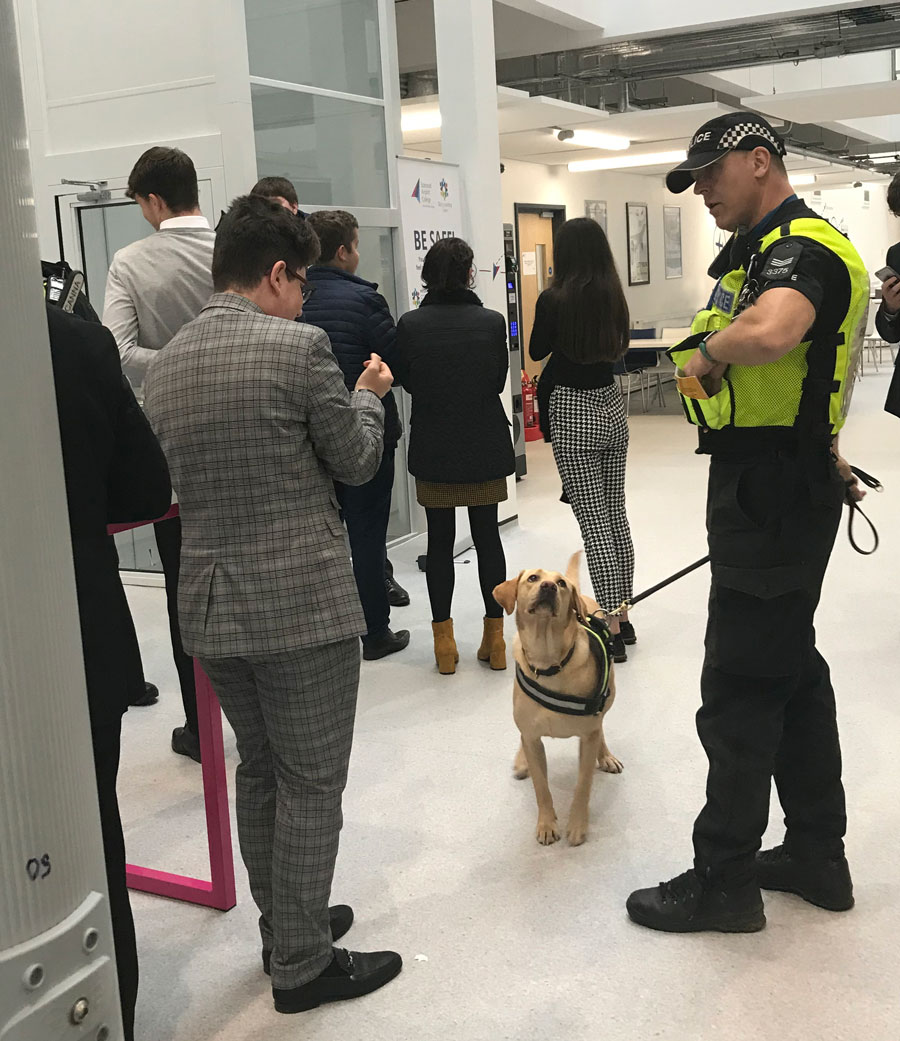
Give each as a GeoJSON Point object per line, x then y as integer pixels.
{"type": "Point", "coordinates": [219, 892]}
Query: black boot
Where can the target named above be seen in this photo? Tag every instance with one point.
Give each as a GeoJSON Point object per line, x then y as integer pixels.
{"type": "Point", "coordinates": [823, 882]}
{"type": "Point", "coordinates": [375, 647]}
{"type": "Point", "coordinates": [626, 630]}
{"type": "Point", "coordinates": [149, 697]}
{"type": "Point", "coordinates": [340, 918]}
{"type": "Point", "coordinates": [186, 742]}
{"type": "Point", "coordinates": [690, 904]}
{"type": "Point", "coordinates": [397, 595]}
{"type": "Point", "coordinates": [350, 975]}
{"type": "Point", "coordinates": [619, 654]}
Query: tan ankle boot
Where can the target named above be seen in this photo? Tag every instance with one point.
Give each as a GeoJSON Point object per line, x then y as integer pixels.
{"type": "Point", "coordinates": [493, 646]}
{"type": "Point", "coordinates": [445, 652]}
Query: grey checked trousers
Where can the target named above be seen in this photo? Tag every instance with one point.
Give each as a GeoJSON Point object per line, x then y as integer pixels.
{"type": "Point", "coordinates": [292, 715]}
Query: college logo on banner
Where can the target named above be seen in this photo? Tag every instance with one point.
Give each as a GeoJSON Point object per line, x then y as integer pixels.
{"type": "Point", "coordinates": [445, 190]}
{"type": "Point", "coordinates": [417, 191]}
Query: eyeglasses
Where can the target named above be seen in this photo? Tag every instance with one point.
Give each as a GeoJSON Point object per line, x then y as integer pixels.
{"type": "Point", "coordinates": [307, 288]}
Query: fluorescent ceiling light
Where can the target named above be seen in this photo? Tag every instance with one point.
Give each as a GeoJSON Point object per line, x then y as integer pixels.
{"type": "Point", "coordinates": [594, 139]}
{"type": "Point", "coordinates": [420, 119]}
{"type": "Point", "coordinates": [627, 161]}
{"type": "Point", "coordinates": [801, 179]}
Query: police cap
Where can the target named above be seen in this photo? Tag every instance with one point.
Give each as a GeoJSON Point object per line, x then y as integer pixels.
{"type": "Point", "coordinates": [735, 131]}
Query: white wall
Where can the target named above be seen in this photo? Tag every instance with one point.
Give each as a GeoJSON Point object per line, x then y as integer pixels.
{"type": "Point", "coordinates": [663, 301]}
{"type": "Point", "coordinates": [104, 82]}
{"type": "Point", "coordinates": [872, 230]}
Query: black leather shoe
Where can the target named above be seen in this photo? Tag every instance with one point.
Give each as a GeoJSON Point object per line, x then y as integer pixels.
{"type": "Point", "coordinates": [397, 595]}
{"type": "Point", "coordinates": [626, 631]}
{"type": "Point", "coordinates": [350, 975]}
{"type": "Point", "coordinates": [688, 904]}
{"type": "Point", "coordinates": [619, 654]}
{"type": "Point", "coordinates": [149, 697]}
{"type": "Point", "coordinates": [825, 883]}
{"type": "Point", "coordinates": [340, 918]}
{"type": "Point", "coordinates": [185, 742]}
{"type": "Point", "coordinates": [382, 646]}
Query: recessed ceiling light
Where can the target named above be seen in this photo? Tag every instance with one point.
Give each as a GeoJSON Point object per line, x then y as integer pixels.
{"type": "Point", "coordinates": [625, 162]}
{"type": "Point", "coordinates": [420, 119]}
{"type": "Point", "coordinates": [801, 179]}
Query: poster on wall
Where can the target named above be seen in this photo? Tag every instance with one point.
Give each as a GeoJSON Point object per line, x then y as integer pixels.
{"type": "Point", "coordinates": [637, 222]}
{"type": "Point", "coordinates": [430, 209]}
{"type": "Point", "coordinates": [596, 210]}
{"type": "Point", "coordinates": [672, 241]}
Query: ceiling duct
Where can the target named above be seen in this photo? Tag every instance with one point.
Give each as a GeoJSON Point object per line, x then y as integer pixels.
{"type": "Point", "coordinates": [823, 35]}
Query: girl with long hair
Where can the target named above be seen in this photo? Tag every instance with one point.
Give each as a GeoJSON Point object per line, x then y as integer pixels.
{"type": "Point", "coordinates": [582, 318]}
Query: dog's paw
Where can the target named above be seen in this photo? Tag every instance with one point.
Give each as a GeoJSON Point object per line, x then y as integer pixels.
{"type": "Point", "coordinates": [547, 832]}
{"type": "Point", "coordinates": [576, 831]}
{"type": "Point", "coordinates": [609, 764]}
{"type": "Point", "coordinates": [520, 772]}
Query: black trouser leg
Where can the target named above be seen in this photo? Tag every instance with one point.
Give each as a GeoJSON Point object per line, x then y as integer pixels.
{"type": "Point", "coordinates": [367, 511]}
{"type": "Point", "coordinates": [106, 741]}
{"type": "Point", "coordinates": [808, 768]}
{"type": "Point", "coordinates": [168, 541]}
{"type": "Point", "coordinates": [439, 574]}
{"type": "Point", "coordinates": [491, 559]}
{"type": "Point", "coordinates": [771, 525]}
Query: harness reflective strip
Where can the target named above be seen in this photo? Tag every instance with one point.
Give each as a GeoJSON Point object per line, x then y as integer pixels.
{"type": "Point", "coordinates": [565, 703]}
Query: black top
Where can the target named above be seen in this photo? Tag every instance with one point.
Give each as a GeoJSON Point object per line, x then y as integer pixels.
{"type": "Point", "coordinates": [565, 372]}
{"type": "Point", "coordinates": [791, 262]}
{"type": "Point", "coordinates": [114, 471]}
{"type": "Point", "coordinates": [452, 357]}
{"type": "Point", "coordinates": [888, 326]}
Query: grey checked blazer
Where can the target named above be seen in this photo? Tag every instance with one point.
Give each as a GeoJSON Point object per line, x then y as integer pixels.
{"type": "Point", "coordinates": [255, 421]}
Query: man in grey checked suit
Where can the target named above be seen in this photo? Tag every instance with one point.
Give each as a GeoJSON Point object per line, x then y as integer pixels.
{"type": "Point", "coordinates": [256, 423]}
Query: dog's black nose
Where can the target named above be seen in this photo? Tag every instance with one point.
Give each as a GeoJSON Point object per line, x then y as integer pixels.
{"type": "Point", "coordinates": [547, 585]}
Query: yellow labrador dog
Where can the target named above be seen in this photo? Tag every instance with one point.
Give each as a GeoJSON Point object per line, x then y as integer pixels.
{"type": "Point", "coordinates": [553, 654]}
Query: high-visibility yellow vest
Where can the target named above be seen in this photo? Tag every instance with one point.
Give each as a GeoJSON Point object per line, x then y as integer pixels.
{"type": "Point", "coordinates": [770, 395]}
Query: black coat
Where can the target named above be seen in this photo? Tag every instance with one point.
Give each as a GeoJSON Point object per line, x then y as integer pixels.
{"type": "Point", "coordinates": [115, 472]}
{"type": "Point", "coordinates": [452, 357]}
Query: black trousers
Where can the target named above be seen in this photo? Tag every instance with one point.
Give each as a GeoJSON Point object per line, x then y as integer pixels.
{"type": "Point", "coordinates": [168, 541]}
{"type": "Point", "coordinates": [767, 701]}
{"type": "Point", "coordinates": [106, 740]}
{"type": "Point", "coordinates": [366, 510]}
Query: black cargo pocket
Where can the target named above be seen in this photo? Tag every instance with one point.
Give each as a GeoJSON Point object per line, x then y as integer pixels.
{"type": "Point", "coordinates": [759, 620]}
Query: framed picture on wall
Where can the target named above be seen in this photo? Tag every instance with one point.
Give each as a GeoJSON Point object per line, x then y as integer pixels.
{"type": "Point", "coordinates": [672, 241]}
{"type": "Point", "coordinates": [596, 210]}
{"type": "Point", "coordinates": [637, 223]}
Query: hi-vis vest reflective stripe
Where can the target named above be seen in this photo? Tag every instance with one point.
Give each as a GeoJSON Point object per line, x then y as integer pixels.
{"type": "Point", "coordinates": [769, 395]}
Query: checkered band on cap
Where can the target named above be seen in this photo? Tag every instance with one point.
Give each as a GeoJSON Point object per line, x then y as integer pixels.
{"type": "Point", "coordinates": [733, 136]}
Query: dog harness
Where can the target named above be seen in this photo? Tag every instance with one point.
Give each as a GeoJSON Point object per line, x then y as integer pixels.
{"type": "Point", "coordinates": [600, 644]}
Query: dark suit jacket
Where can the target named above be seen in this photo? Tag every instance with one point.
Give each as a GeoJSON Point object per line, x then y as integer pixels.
{"type": "Point", "coordinates": [452, 357]}
{"type": "Point", "coordinates": [889, 326]}
{"type": "Point", "coordinates": [115, 472]}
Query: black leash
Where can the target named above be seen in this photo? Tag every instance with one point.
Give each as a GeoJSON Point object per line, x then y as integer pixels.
{"type": "Point", "coordinates": [870, 482]}
{"type": "Point", "coordinates": [867, 479]}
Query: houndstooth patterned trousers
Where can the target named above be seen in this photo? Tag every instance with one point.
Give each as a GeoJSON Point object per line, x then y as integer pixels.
{"type": "Point", "coordinates": [590, 445]}
{"type": "Point", "coordinates": [292, 715]}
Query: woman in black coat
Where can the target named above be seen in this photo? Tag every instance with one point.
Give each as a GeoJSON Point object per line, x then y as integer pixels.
{"type": "Point", "coordinates": [452, 357]}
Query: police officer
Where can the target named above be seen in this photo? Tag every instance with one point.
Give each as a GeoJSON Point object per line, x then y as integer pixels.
{"type": "Point", "coordinates": [766, 376]}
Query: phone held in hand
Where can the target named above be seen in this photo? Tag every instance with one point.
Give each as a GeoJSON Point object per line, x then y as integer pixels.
{"type": "Point", "coordinates": [885, 273]}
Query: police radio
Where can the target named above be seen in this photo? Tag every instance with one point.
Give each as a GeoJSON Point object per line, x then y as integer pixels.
{"type": "Point", "coordinates": [61, 284]}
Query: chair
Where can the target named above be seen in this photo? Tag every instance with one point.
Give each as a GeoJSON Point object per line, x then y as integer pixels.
{"type": "Point", "coordinates": [632, 365]}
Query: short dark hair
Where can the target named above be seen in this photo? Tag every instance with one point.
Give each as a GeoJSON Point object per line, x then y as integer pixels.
{"type": "Point", "coordinates": [276, 188]}
{"type": "Point", "coordinates": [448, 266]}
{"type": "Point", "coordinates": [253, 236]}
{"type": "Point", "coordinates": [168, 173]}
{"type": "Point", "coordinates": [335, 228]}
{"type": "Point", "coordinates": [893, 195]}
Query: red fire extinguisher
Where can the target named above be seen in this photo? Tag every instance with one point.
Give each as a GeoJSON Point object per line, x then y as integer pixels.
{"type": "Point", "coordinates": [529, 399]}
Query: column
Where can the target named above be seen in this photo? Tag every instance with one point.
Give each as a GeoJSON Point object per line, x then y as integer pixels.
{"type": "Point", "coordinates": [467, 83]}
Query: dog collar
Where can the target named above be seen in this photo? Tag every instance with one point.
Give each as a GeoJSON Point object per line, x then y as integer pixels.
{"type": "Point", "coordinates": [554, 670]}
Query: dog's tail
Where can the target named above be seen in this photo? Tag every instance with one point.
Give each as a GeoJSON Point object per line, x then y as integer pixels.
{"type": "Point", "coordinates": [573, 568]}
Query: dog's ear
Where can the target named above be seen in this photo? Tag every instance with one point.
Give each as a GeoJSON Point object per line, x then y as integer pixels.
{"type": "Point", "coordinates": [505, 594]}
{"type": "Point", "coordinates": [578, 604]}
